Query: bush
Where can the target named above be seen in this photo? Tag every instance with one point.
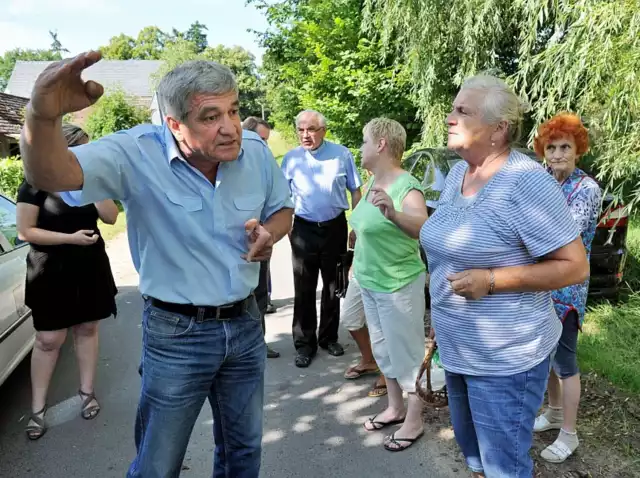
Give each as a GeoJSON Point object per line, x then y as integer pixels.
{"type": "Point", "coordinates": [11, 175]}
{"type": "Point", "coordinates": [115, 111]}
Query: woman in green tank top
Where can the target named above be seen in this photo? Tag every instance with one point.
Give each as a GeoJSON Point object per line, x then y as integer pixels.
{"type": "Point", "coordinates": [391, 274]}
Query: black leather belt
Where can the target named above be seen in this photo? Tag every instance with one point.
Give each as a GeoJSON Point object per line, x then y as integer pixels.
{"type": "Point", "coordinates": [202, 313]}
{"type": "Point", "coordinates": [339, 218]}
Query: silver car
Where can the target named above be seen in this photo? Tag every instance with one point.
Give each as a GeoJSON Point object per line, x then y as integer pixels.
{"type": "Point", "coordinates": [16, 326]}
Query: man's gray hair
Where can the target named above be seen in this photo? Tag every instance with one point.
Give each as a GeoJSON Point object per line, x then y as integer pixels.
{"type": "Point", "coordinates": [251, 123]}
{"type": "Point", "coordinates": [319, 116]}
{"type": "Point", "coordinates": [500, 103]}
{"type": "Point", "coordinates": [177, 88]}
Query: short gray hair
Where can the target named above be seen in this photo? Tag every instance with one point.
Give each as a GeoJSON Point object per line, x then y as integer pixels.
{"type": "Point", "coordinates": [319, 116]}
{"type": "Point", "coordinates": [391, 131]}
{"type": "Point", "coordinates": [500, 103]}
{"type": "Point", "coordinates": [252, 122]}
{"type": "Point", "coordinates": [176, 89]}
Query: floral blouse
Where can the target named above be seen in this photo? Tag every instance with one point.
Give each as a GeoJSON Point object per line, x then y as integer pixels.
{"type": "Point", "coordinates": [583, 197]}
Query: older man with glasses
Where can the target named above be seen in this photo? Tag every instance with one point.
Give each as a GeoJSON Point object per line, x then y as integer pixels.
{"type": "Point", "coordinates": [319, 173]}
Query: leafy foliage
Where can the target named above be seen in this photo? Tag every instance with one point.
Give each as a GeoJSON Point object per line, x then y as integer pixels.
{"type": "Point", "coordinates": [8, 61]}
{"type": "Point", "coordinates": [582, 56]}
{"type": "Point", "coordinates": [11, 176]}
{"type": "Point", "coordinates": [318, 58]}
{"type": "Point", "coordinates": [115, 111]}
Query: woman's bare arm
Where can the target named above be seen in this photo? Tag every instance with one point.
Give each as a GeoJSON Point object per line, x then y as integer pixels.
{"type": "Point", "coordinates": [108, 211]}
{"type": "Point", "coordinates": [27, 218]}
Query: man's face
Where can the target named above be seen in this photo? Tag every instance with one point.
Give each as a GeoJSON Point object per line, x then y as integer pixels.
{"type": "Point", "coordinates": [310, 133]}
{"type": "Point", "coordinates": [212, 130]}
{"type": "Point", "coordinates": [263, 132]}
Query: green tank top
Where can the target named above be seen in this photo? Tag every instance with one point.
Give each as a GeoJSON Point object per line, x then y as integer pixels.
{"type": "Point", "coordinates": [385, 258]}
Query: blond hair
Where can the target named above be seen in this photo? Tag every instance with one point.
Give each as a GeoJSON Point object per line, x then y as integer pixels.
{"type": "Point", "coordinates": [391, 131]}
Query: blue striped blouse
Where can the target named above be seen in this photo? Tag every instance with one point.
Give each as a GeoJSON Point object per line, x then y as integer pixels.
{"type": "Point", "coordinates": [518, 217]}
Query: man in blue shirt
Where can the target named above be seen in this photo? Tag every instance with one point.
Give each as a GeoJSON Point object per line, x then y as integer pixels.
{"type": "Point", "coordinates": [205, 202]}
{"type": "Point", "coordinates": [319, 173]}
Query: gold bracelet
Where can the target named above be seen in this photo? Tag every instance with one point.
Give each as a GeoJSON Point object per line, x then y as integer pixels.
{"type": "Point", "coordinates": [492, 281]}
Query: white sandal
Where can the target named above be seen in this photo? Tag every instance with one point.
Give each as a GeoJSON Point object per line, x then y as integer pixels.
{"type": "Point", "coordinates": [557, 452]}
{"type": "Point", "coordinates": [543, 424]}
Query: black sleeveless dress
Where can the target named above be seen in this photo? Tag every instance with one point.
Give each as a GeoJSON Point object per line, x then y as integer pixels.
{"type": "Point", "coordinates": [66, 284]}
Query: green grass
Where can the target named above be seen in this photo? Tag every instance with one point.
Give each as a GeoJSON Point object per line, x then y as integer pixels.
{"type": "Point", "coordinates": [610, 344]}
{"type": "Point", "coordinates": [111, 231]}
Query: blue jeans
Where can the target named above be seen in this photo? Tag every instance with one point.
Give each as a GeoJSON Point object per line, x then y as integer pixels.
{"type": "Point", "coordinates": [493, 419]}
{"type": "Point", "coordinates": [184, 362]}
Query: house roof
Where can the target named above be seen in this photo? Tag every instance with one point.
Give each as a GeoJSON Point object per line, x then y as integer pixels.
{"type": "Point", "coordinates": [11, 116]}
{"type": "Point", "coordinates": [133, 76]}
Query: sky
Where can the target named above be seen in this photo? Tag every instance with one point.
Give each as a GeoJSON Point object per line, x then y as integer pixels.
{"type": "Point", "coordinates": [88, 24]}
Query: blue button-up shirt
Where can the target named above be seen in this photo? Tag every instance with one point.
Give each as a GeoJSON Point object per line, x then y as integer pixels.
{"type": "Point", "coordinates": [319, 180]}
{"type": "Point", "coordinates": [186, 234]}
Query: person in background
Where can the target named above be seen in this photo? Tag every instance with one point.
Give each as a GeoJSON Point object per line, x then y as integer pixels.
{"type": "Point", "coordinates": [501, 239]}
{"type": "Point", "coordinates": [352, 318]}
{"type": "Point", "coordinates": [391, 276]}
{"type": "Point", "coordinates": [69, 286]}
{"type": "Point", "coordinates": [561, 141]}
{"type": "Point", "coordinates": [263, 291]}
{"type": "Point", "coordinates": [319, 173]}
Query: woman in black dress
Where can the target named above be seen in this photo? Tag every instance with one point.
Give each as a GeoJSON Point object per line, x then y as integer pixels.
{"type": "Point", "coordinates": [69, 286]}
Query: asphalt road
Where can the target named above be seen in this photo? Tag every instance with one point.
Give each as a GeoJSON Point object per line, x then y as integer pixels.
{"type": "Point", "coordinates": [313, 417]}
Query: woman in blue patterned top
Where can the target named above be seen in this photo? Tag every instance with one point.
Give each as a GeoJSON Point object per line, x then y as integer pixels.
{"type": "Point", "coordinates": [562, 141]}
{"type": "Point", "coordinates": [501, 239]}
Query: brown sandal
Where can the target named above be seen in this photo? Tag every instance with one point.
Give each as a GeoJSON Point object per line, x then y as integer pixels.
{"type": "Point", "coordinates": [89, 412]}
{"type": "Point", "coordinates": [36, 431]}
{"type": "Point", "coordinates": [356, 371]}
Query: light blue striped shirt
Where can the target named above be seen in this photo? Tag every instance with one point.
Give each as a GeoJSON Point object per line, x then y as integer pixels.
{"type": "Point", "coordinates": [186, 235]}
{"type": "Point", "coordinates": [518, 217]}
{"type": "Point", "coordinates": [319, 180]}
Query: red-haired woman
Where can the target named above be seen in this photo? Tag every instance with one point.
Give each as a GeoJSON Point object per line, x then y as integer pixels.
{"type": "Point", "coordinates": [561, 141]}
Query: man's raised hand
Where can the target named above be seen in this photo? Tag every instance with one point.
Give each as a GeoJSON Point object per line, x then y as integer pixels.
{"type": "Point", "coordinates": [59, 89]}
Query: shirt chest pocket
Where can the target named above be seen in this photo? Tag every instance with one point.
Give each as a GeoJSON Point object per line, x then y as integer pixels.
{"type": "Point", "coordinates": [186, 203]}
{"type": "Point", "coordinates": [248, 207]}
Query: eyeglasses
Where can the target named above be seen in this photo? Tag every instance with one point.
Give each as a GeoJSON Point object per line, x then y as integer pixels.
{"type": "Point", "coordinates": [311, 130]}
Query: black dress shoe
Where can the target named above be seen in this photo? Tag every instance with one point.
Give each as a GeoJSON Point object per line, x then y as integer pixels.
{"type": "Point", "coordinates": [272, 353]}
{"type": "Point", "coordinates": [334, 349]}
{"type": "Point", "coordinates": [271, 309]}
{"type": "Point", "coordinates": [303, 360]}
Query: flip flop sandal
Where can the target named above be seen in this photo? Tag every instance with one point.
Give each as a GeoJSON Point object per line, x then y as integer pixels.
{"type": "Point", "coordinates": [378, 391]}
{"type": "Point", "coordinates": [380, 425]}
{"type": "Point", "coordinates": [557, 452]}
{"type": "Point", "coordinates": [360, 372]}
{"type": "Point", "coordinates": [399, 446]}
{"type": "Point", "coordinates": [38, 429]}
{"type": "Point", "coordinates": [89, 412]}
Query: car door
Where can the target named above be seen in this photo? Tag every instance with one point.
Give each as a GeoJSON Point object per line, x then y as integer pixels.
{"type": "Point", "coordinates": [13, 254]}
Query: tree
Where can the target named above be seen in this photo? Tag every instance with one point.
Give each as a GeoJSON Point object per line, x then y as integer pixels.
{"type": "Point", "coordinates": [114, 112]}
{"type": "Point", "coordinates": [582, 56]}
{"type": "Point", "coordinates": [196, 35]}
{"type": "Point", "coordinates": [8, 61]}
{"type": "Point", "coordinates": [149, 44]}
{"type": "Point", "coordinates": [119, 48]}
{"type": "Point", "coordinates": [316, 57]}
{"type": "Point", "coordinates": [56, 46]}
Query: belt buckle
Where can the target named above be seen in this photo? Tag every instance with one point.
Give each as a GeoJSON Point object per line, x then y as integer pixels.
{"type": "Point", "coordinates": [219, 309]}
{"type": "Point", "coordinates": [200, 315]}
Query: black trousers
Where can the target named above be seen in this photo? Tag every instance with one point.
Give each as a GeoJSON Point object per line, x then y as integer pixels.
{"type": "Point", "coordinates": [316, 249]}
{"type": "Point", "coordinates": [262, 291]}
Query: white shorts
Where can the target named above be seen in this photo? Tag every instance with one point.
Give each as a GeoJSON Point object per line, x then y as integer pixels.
{"type": "Point", "coordinates": [396, 328]}
{"type": "Point", "coordinates": [352, 310]}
